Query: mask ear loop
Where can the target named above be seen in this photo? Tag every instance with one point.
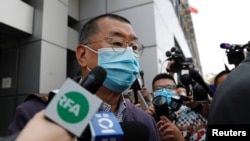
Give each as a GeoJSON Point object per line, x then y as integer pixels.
{"type": "Point", "coordinates": [86, 46]}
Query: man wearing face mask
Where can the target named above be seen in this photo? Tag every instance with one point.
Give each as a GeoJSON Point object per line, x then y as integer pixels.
{"type": "Point", "coordinates": [110, 41]}
{"type": "Point", "coordinates": [189, 122]}
{"type": "Point", "coordinates": [164, 85]}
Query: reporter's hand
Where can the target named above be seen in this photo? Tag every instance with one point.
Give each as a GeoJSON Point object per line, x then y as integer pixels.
{"type": "Point", "coordinates": [150, 110]}
{"type": "Point", "coordinates": [146, 95]}
{"type": "Point", "coordinates": [41, 129]}
{"type": "Point", "coordinates": [168, 68]}
{"type": "Point", "coordinates": [168, 130]}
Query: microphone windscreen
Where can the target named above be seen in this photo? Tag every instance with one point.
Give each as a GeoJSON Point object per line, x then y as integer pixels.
{"type": "Point", "coordinates": [186, 79]}
{"type": "Point", "coordinates": [93, 81]}
{"type": "Point", "coordinates": [225, 45]}
{"type": "Point", "coordinates": [197, 77]}
{"type": "Point", "coordinates": [199, 93]}
{"type": "Point", "coordinates": [135, 131]}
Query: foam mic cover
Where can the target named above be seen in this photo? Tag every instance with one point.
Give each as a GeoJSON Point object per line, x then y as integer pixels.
{"type": "Point", "coordinates": [225, 46]}
{"type": "Point", "coordinates": [93, 81]}
{"type": "Point", "coordinates": [200, 94]}
{"type": "Point", "coordinates": [135, 131]}
{"type": "Point", "coordinates": [186, 80]}
{"type": "Point", "coordinates": [197, 77]}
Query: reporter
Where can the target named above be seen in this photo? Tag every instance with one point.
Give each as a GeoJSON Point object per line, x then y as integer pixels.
{"type": "Point", "coordinates": [188, 121]}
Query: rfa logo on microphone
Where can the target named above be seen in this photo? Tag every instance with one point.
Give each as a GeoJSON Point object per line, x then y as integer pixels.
{"type": "Point", "coordinates": [72, 107]}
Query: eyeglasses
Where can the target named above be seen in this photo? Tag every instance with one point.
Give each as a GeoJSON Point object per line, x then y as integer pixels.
{"type": "Point", "coordinates": [167, 87]}
{"type": "Point", "coordinates": [118, 44]}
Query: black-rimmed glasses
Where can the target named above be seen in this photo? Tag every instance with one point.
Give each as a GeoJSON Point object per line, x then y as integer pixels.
{"type": "Point", "coordinates": [167, 87]}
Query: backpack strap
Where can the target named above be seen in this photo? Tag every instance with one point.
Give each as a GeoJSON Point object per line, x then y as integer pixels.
{"type": "Point", "coordinates": [43, 97]}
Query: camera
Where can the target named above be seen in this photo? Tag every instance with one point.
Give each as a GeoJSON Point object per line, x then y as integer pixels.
{"type": "Point", "coordinates": [162, 107]}
{"type": "Point", "coordinates": [180, 62]}
{"type": "Point", "coordinates": [235, 53]}
{"type": "Point", "coordinates": [235, 56]}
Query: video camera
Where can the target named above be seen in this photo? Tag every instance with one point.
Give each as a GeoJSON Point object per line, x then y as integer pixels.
{"type": "Point", "coordinates": [235, 52]}
{"type": "Point", "coordinates": [162, 107]}
{"type": "Point", "coordinates": [180, 62]}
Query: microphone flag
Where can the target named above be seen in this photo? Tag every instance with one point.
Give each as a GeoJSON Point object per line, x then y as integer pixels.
{"type": "Point", "coordinates": [104, 126]}
{"type": "Point", "coordinates": [73, 107]}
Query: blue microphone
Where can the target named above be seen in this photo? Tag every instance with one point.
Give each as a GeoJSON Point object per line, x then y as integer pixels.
{"type": "Point", "coordinates": [105, 126]}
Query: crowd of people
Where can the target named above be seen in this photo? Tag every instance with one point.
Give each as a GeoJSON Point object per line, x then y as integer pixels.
{"type": "Point", "coordinates": [110, 41]}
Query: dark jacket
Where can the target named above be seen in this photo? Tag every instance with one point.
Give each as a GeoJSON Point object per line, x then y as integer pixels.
{"type": "Point", "coordinates": [26, 110]}
{"type": "Point", "coordinates": [231, 101]}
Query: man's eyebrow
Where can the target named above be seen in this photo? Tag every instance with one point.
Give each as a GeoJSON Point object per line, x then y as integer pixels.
{"type": "Point", "coordinates": [119, 34]}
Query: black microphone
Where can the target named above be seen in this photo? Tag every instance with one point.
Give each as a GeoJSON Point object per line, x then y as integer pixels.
{"type": "Point", "coordinates": [229, 46]}
{"type": "Point", "coordinates": [92, 82]}
{"type": "Point", "coordinates": [136, 87]}
{"type": "Point", "coordinates": [142, 78]}
{"type": "Point", "coordinates": [135, 131]}
{"type": "Point", "coordinates": [199, 94]}
{"type": "Point", "coordinates": [186, 80]}
{"type": "Point", "coordinates": [197, 77]}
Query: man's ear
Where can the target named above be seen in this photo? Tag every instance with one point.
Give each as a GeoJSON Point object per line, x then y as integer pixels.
{"type": "Point", "coordinates": [80, 55]}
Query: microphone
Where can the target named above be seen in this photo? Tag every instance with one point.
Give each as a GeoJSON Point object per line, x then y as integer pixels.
{"type": "Point", "coordinates": [74, 105]}
{"type": "Point", "coordinates": [199, 94]}
{"type": "Point", "coordinates": [135, 131]}
{"type": "Point", "coordinates": [197, 77]}
{"type": "Point", "coordinates": [105, 126]}
{"type": "Point", "coordinates": [186, 80]}
{"type": "Point", "coordinates": [229, 46]}
{"type": "Point", "coordinates": [92, 82]}
{"type": "Point", "coordinates": [135, 87]}
{"type": "Point", "coordinates": [142, 83]}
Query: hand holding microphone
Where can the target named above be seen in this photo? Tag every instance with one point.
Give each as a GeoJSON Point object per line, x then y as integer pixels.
{"type": "Point", "coordinates": [41, 129]}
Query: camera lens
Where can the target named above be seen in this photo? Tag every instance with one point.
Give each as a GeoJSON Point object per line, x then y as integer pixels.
{"type": "Point", "coordinates": [159, 100]}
